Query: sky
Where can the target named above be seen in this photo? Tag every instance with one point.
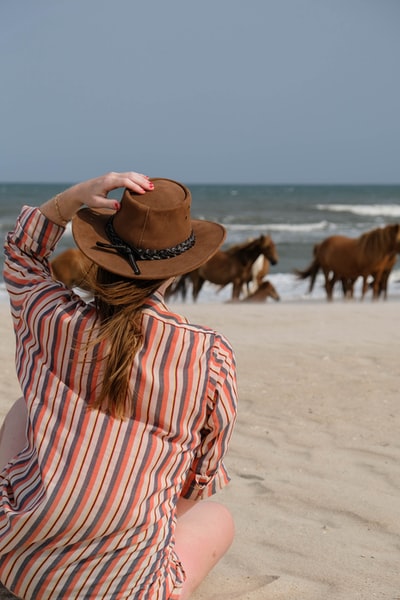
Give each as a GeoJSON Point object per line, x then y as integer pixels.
{"type": "Point", "coordinates": [210, 91]}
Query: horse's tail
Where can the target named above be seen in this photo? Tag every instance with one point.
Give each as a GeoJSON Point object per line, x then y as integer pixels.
{"type": "Point", "coordinates": [311, 271]}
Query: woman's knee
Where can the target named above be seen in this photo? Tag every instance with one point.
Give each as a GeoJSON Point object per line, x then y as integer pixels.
{"type": "Point", "coordinates": [208, 519]}
{"type": "Point", "coordinates": [203, 535]}
{"type": "Point", "coordinates": [224, 522]}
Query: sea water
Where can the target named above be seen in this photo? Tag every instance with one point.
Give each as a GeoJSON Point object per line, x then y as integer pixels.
{"type": "Point", "coordinates": [295, 216]}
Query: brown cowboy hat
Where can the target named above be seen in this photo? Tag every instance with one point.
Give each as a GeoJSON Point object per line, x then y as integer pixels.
{"type": "Point", "coordinates": [151, 236]}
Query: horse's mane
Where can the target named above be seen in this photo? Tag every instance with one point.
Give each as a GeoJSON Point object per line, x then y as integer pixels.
{"type": "Point", "coordinates": [249, 244]}
{"type": "Point", "coordinates": [380, 241]}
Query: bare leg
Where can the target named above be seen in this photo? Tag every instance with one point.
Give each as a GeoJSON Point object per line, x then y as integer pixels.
{"type": "Point", "coordinates": [204, 532]}
{"type": "Point", "coordinates": [13, 432]}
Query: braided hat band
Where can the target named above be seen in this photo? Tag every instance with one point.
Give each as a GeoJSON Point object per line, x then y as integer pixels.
{"type": "Point", "coordinates": [134, 254]}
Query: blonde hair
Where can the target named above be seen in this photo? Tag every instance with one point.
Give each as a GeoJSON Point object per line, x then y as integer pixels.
{"type": "Point", "coordinates": [119, 302]}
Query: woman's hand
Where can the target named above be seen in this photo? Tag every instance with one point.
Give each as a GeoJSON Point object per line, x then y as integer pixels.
{"type": "Point", "coordinates": [93, 193]}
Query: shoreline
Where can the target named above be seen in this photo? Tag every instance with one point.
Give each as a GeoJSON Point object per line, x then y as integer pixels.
{"type": "Point", "coordinates": [289, 289]}
{"type": "Point", "coordinates": [315, 455]}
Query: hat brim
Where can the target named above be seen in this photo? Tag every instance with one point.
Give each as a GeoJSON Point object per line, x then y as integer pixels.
{"type": "Point", "coordinates": [88, 228]}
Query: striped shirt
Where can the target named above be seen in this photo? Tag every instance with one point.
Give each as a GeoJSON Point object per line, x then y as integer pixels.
{"type": "Point", "coordinates": [87, 509]}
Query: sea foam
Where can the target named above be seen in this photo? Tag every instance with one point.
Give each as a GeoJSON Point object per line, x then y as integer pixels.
{"type": "Point", "coordinates": [372, 210]}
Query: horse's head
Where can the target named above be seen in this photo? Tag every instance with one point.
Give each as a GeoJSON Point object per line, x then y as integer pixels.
{"type": "Point", "coordinates": [268, 249]}
{"type": "Point", "coordinates": [269, 290]}
{"type": "Point", "coordinates": [391, 237]}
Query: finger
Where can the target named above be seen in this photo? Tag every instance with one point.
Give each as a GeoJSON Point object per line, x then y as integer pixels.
{"type": "Point", "coordinates": [102, 202]}
{"type": "Point", "coordinates": [136, 182]}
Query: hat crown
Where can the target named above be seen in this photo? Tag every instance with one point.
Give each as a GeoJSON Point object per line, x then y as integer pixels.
{"type": "Point", "coordinates": [155, 220]}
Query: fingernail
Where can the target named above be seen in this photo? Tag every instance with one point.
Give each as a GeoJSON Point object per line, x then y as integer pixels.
{"type": "Point", "coordinates": [117, 205]}
{"type": "Point", "coordinates": [151, 185]}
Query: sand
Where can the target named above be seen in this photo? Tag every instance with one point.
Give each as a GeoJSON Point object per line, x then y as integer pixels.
{"type": "Point", "coordinates": [315, 457]}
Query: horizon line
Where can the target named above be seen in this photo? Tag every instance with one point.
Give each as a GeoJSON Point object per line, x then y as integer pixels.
{"type": "Point", "coordinates": [229, 183]}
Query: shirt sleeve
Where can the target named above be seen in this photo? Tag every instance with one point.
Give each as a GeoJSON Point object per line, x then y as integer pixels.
{"type": "Point", "coordinates": [27, 249]}
{"type": "Point", "coordinates": [208, 473]}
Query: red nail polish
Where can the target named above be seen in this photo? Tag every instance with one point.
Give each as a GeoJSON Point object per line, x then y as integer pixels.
{"type": "Point", "coordinates": [117, 205]}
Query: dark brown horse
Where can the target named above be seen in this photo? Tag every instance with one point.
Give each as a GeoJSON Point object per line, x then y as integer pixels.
{"type": "Point", "coordinates": [71, 268]}
{"type": "Point", "coordinates": [234, 265]}
{"type": "Point", "coordinates": [345, 259]}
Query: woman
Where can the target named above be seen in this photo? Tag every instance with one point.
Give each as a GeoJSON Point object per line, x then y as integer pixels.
{"type": "Point", "coordinates": [128, 407]}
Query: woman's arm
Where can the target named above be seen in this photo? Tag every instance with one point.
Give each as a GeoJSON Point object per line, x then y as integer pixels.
{"type": "Point", "coordinates": [38, 230]}
{"type": "Point", "coordinates": [207, 473]}
{"type": "Point", "coordinates": [93, 193]}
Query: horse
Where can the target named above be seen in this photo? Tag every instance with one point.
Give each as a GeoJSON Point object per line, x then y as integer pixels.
{"type": "Point", "coordinates": [265, 290]}
{"type": "Point", "coordinates": [71, 268]}
{"type": "Point", "coordinates": [345, 259]}
{"type": "Point", "coordinates": [233, 265]}
{"type": "Point", "coordinates": [380, 278]}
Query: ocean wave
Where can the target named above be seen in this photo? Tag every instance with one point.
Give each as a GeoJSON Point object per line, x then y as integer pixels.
{"type": "Point", "coordinates": [366, 210]}
{"type": "Point", "coordinates": [302, 227]}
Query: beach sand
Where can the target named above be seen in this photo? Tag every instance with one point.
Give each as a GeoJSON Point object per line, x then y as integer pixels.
{"type": "Point", "coordinates": [315, 456]}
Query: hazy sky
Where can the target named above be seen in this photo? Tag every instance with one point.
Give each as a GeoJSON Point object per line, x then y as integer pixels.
{"type": "Point", "coordinates": [252, 91]}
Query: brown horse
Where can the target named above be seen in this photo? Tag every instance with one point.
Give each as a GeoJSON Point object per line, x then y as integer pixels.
{"type": "Point", "coordinates": [345, 259]}
{"type": "Point", "coordinates": [265, 290]}
{"type": "Point", "coordinates": [71, 268]}
{"type": "Point", "coordinates": [233, 265]}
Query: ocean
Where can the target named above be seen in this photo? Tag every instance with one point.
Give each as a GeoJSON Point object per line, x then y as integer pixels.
{"type": "Point", "coordinates": [295, 216]}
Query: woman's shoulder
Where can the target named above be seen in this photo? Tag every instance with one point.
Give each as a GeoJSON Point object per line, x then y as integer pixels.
{"type": "Point", "coordinates": [178, 321]}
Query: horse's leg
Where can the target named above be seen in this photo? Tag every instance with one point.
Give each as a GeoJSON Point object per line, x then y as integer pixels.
{"type": "Point", "coordinates": [345, 286]}
{"type": "Point", "coordinates": [329, 284]}
{"type": "Point", "coordinates": [180, 287]}
{"type": "Point", "coordinates": [387, 269]}
{"type": "Point", "coordinates": [384, 283]}
{"type": "Point", "coordinates": [365, 287]}
{"type": "Point", "coordinates": [376, 285]}
{"type": "Point", "coordinates": [197, 285]}
{"type": "Point", "coordinates": [329, 289]}
{"type": "Point", "coordinates": [236, 289]}
{"type": "Point", "coordinates": [348, 287]}
{"type": "Point", "coordinates": [351, 283]}
{"type": "Point", "coordinates": [183, 287]}
{"type": "Point", "coordinates": [194, 278]}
